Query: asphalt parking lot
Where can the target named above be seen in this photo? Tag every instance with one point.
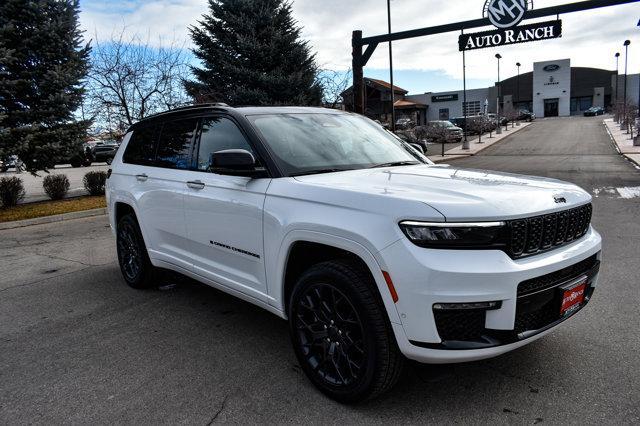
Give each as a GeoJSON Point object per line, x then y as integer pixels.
{"type": "Point", "coordinates": [33, 184]}
{"type": "Point", "coordinates": [78, 346]}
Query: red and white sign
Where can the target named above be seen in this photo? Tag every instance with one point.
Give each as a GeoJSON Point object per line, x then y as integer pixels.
{"type": "Point", "coordinates": [573, 297]}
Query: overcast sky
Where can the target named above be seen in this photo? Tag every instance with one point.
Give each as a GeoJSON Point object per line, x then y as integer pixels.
{"type": "Point", "coordinates": [424, 64]}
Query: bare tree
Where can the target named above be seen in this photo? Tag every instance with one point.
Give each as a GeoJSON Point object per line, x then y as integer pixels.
{"type": "Point", "coordinates": [333, 83]}
{"type": "Point", "coordinates": [479, 125]}
{"type": "Point", "coordinates": [131, 79]}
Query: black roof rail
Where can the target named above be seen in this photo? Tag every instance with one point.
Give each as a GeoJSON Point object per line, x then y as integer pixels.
{"type": "Point", "coordinates": [182, 108]}
{"type": "Point", "coordinates": [194, 106]}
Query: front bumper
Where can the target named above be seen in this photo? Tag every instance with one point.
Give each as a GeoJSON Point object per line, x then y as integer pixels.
{"type": "Point", "coordinates": [424, 277]}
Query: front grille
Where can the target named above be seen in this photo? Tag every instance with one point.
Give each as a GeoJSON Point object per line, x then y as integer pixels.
{"type": "Point", "coordinates": [550, 280]}
{"type": "Point", "coordinates": [540, 233]}
{"type": "Point", "coordinates": [539, 299]}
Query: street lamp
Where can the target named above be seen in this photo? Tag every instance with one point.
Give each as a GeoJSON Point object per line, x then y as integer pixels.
{"type": "Point", "coordinates": [498, 128]}
{"type": "Point", "coordinates": [518, 82]}
{"type": "Point", "coordinates": [624, 99]}
{"type": "Point", "coordinates": [465, 106]}
{"type": "Point", "coordinates": [393, 107]}
{"type": "Point", "coordinates": [615, 97]}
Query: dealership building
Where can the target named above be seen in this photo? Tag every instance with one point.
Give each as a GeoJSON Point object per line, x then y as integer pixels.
{"type": "Point", "coordinates": [552, 89]}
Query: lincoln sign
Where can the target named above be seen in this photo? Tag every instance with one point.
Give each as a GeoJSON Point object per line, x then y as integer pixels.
{"type": "Point", "coordinates": [502, 37]}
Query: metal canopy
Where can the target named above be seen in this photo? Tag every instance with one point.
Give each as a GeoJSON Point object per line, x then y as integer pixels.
{"type": "Point", "coordinates": [360, 58]}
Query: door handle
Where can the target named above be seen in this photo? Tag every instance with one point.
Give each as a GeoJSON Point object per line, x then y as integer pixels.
{"type": "Point", "coordinates": [143, 177]}
{"type": "Point", "coordinates": [195, 184]}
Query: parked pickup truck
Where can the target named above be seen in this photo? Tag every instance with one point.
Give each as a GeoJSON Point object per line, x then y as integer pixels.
{"type": "Point", "coordinates": [372, 253]}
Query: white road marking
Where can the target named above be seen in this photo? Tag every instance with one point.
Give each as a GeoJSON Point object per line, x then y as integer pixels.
{"type": "Point", "coordinates": [626, 192]}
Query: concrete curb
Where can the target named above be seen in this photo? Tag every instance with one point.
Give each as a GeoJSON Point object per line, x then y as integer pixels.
{"type": "Point", "coordinates": [618, 139]}
{"type": "Point", "coordinates": [52, 218]}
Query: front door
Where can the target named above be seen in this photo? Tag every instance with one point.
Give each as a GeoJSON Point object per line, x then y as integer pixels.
{"type": "Point", "coordinates": [224, 214]}
{"type": "Point", "coordinates": [551, 107]}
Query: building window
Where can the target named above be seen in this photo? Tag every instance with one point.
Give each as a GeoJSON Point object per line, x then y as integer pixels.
{"type": "Point", "coordinates": [471, 108]}
{"type": "Point", "coordinates": [586, 103]}
{"type": "Point", "coordinates": [443, 114]}
{"type": "Point", "coordinates": [581, 104]}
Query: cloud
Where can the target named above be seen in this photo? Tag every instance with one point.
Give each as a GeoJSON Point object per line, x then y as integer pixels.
{"type": "Point", "coordinates": [590, 38]}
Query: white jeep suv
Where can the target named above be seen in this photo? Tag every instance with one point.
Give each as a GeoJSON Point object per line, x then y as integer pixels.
{"type": "Point", "coordinates": [373, 253]}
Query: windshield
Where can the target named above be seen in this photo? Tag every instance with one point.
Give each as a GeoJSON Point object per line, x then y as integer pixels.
{"type": "Point", "coordinates": [316, 142]}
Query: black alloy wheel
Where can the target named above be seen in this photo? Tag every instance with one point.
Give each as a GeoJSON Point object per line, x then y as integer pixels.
{"type": "Point", "coordinates": [133, 258]}
{"type": "Point", "coordinates": [341, 332]}
{"type": "Point", "coordinates": [331, 335]}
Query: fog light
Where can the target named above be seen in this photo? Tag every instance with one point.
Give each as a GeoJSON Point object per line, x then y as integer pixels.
{"type": "Point", "coordinates": [462, 306]}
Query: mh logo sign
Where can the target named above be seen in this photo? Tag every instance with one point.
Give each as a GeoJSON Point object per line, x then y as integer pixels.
{"type": "Point", "coordinates": [505, 13]}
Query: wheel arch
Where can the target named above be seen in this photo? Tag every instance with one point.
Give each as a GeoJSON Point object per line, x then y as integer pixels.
{"type": "Point", "coordinates": [121, 208]}
{"type": "Point", "coordinates": [301, 249]}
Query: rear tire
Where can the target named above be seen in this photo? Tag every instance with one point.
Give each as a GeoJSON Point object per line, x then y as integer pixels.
{"type": "Point", "coordinates": [133, 258]}
{"type": "Point", "coordinates": [341, 332]}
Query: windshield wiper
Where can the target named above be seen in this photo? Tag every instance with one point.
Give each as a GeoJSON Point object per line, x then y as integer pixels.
{"type": "Point", "coordinates": [317, 172]}
{"type": "Point", "coordinates": [395, 163]}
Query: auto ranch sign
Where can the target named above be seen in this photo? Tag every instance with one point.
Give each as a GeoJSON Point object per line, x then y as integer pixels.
{"type": "Point", "coordinates": [521, 34]}
{"type": "Point", "coordinates": [505, 15]}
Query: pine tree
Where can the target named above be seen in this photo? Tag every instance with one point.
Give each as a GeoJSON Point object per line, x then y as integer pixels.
{"type": "Point", "coordinates": [251, 54]}
{"type": "Point", "coordinates": [42, 64]}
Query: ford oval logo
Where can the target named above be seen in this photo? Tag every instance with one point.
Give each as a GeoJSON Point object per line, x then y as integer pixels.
{"type": "Point", "coordinates": [505, 13]}
{"type": "Point", "coordinates": [551, 68]}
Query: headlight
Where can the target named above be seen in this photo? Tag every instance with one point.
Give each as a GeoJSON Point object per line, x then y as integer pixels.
{"type": "Point", "coordinates": [455, 235]}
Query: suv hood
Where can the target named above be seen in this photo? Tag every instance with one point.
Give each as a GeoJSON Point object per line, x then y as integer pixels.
{"type": "Point", "coordinates": [460, 194]}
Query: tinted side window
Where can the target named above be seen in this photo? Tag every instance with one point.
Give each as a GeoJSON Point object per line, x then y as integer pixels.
{"type": "Point", "coordinates": [141, 148]}
{"type": "Point", "coordinates": [174, 147]}
{"type": "Point", "coordinates": [218, 134]}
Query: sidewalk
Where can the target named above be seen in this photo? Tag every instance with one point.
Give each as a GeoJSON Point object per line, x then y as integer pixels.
{"type": "Point", "coordinates": [474, 146]}
{"type": "Point", "coordinates": [623, 141]}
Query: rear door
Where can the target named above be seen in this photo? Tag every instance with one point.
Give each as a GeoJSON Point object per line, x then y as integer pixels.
{"type": "Point", "coordinates": [224, 213]}
{"type": "Point", "coordinates": [164, 203]}
{"type": "Point", "coordinates": [155, 161]}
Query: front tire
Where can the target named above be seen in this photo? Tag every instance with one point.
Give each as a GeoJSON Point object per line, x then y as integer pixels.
{"type": "Point", "coordinates": [341, 332]}
{"type": "Point", "coordinates": [133, 258]}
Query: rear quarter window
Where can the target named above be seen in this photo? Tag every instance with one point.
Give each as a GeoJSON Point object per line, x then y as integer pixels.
{"type": "Point", "coordinates": [174, 146]}
{"type": "Point", "coordinates": [141, 148]}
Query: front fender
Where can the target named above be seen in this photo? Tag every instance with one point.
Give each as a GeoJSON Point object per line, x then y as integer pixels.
{"type": "Point", "coordinates": [276, 267]}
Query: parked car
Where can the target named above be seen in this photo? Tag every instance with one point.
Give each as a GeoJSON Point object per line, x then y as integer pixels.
{"type": "Point", "coordinates": [526, 115]}
{"type": "Point", "coordinates": [493, 117]}
{"type": "Point", "coordinates": [81, 157]}
{"type": "Point", "coordinates": [104, 152]}
{"type": "Point", "coordinates": [404, 123]}
{"type": "Point", "coordinates": [11, 162]}
{"type": "Point", "coordinates": [471, 120]}
{"type": "Point", "coordinates": [455, 133]}
{"type": "Point", "coordinates": [372, 253]}
{"type": "Point", "coordinates": [593, 111]}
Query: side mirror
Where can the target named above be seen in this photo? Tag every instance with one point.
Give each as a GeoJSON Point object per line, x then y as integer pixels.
{"type": "Point", "coordinates": [232, 161]}
{"type": "Point", "coordinates": [417, 147]}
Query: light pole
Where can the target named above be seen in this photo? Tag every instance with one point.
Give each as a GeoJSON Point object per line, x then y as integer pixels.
{"type": "Point", "coordinates": [498, 128]}
{"type": "Point", "coordinates": [616, 107]}
{"type": "Point", "coordinates": [518, 82]}
{"type": "Point", "coordinates": [518, 91]}
{"type": "Point", "coordinates": [465, 107]}
{"type": "Point", "coordinates": [624, 99]}
{"type": "Point", "coordinates": [393, 107]}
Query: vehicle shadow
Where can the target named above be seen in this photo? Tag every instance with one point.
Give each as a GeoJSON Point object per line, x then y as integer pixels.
{"type": "Point", "coordinates": [504, 388]}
